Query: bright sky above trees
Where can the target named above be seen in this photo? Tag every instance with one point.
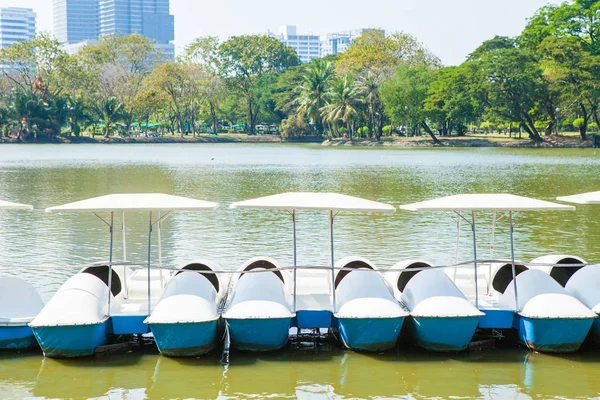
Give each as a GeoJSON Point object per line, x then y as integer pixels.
{"type": "Point", "coordinates": [450, 29]}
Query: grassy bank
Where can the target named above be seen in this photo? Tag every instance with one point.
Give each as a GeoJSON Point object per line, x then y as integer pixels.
{"type": "Point", "coordinates": [563, 141]}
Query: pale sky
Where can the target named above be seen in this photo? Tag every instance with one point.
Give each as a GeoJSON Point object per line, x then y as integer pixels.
{"type": "Point", "coordinates": [450, 28]}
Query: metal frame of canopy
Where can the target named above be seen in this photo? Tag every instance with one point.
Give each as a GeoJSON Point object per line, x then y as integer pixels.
{"type": "Point", "coordinates": [487, 202]}
{"type": "Point", "coordinates": [332, 202]}
{"type": "Point", "coordinates": [139, 202]}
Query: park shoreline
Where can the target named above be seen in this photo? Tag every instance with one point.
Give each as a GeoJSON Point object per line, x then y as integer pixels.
{"type": "Point", "coordinates": [401, 142]}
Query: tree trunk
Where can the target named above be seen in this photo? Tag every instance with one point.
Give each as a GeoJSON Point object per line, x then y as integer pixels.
{"type": "Point", "coordinates": [583, 127]}
{"type": "Point", "coordinates": [107, 130]}
{"type": "Point", "coordinates": [549, 128]}
{"type": "Point", "coordinates": [529, 127]}
{"type": "Point", "coordinates": [213, 115]}
{"type": "Point", "coordinates": [430, 132]}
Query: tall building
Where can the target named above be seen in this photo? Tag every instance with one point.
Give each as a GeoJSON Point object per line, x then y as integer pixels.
{"type": "Point", "coordinates": [75, 21]}
{"type": "Point", "coordinates": [149, 18]}
{"type": "Point", "coordinates": [339, 42]}
{"type": "Point", "coordinates": [308, 46]}
{"type": "Point", "coordinates": [16, 25]}
{"type": "Point", "coordinates": [80, 21]}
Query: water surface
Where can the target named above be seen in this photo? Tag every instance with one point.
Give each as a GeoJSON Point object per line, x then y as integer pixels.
{"type": "Point", "coordinates": [50, 175]}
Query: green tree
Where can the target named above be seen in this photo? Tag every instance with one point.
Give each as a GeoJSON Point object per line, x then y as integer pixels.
{"type": "Point", "coordinates": [111, 111]}
{"type": "Point", "coordinates": [375, 51]}
{"type": "Point", "coordinates": [343, 101]}
{"type": "Point", "coordinates": [403, 97]}
{"type": "Point", "coordinates": [243, 61]}
{"type": "Point", "coordinates": [314, 91]}
{"type": "Point", "coordinates": [368, 85]}
{"type": "Point", "coordinates": [510, 84]}
{"type": "Point", "coordinates": [575, 73]}
{"type": "Point", "coordinates": [120, 64]}
{"type": "Point", "coordinates": [450, 99]}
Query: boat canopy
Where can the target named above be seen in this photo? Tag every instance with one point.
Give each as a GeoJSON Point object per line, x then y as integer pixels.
{"type": "Point", "coordinates": [7, 205]}
{"type": "Point", "coordinates": [486, 202]}
{"type": "Point", "coordinates": [314, 201]}
{"type": "Point", "coordinates": [585, 198]}
{"type": "Point", "coordinates": [135, 202]}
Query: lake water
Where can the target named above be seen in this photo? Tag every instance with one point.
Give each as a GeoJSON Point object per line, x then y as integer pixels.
{"type": "Point", "coordinates": [50, 175]}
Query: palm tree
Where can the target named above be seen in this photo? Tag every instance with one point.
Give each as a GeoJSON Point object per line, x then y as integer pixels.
{"type": "Point", "coordinates": [77, 113]}
{"type": "Point", "coordinates": [111, 111]}
{"type": "Point", "coordinates": [343, 101]}
{"type": "Point", "coordinates": [368, 85]}
{"type": "Point", "coordinates": [313, 91]}
{"type": "Point", "coordinates": [29, 109]}
{"type": "Point", "coordinates": [58, 113]}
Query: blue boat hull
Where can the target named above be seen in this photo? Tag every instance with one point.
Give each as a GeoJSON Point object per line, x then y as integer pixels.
{"type": "Point", "coordinates": [16, 338]}
{"type": "Point", "coordinates": [443, 334]}
{"type": "Point", "coordinates": [185, 339]}
{"type": "Point", "coordinates": [553, 335]}
{"type": "Point", "coordinates": [71, 341]}
{"type": "Point", "coordinates": [259, 334]}
{"type": "Point", "coordinates": [369, 334]}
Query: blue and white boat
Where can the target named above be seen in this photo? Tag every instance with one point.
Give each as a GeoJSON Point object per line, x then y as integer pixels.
{"type": "Point", "coordinates": [579, 279]}
{"type": "Point", "coordinates": [583, 283]}
{"type": "Point", "coordinates": [368, 316]}
{"type": "Point", "coordinates": [548, 318]}
{"type": "Point", "coordinates": [186, 321]}
{"type": "Point", "coordinates": [259, 311]}
{"type": "Point", "coordinates": [75, 320]}
{"type": "Point", "coordinates": [313, 288]}
{"type": "Point", "coordinates": [441, 317]}
{"type": "Point", "coordinates": [84, 312]}
{"type": "Point", "coordinates": [20, 303]}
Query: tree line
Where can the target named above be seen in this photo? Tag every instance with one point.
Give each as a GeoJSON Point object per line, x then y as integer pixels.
{"type": "Point", "coordinates": [545, 80]}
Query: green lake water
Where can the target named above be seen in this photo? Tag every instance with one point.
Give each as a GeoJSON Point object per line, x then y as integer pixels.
{"type": "Point", "coordinates": [49, 175]}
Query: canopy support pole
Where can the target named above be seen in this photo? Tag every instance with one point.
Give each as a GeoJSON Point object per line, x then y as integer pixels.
{"type": "Point", "coordinates": [475, 260]}
{"type": "Point", "coordinates": [457, 246]}
{"type": "Point", "coordinates": [149, 251]}
{"type": "Point", "coordinates": [492, 243]}
{"type": "Point", "coordinates": [512, 260]}
{"type": "Point", "coordinates": [162, 281]}
{"type": "Point", "coordinates": [126, 295]}
{"type": "Point", "coordinates": [295, 257]}
{"type": "Point", "coordinates": [110, 258]}
{"type": "Point", "coordinates": [332, 254]}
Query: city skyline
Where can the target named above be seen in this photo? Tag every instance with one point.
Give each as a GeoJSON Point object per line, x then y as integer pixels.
{"type": "Point", "coordinates": [451, 30]}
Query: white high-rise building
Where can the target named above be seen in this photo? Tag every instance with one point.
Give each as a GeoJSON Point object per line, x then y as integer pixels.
{"type": "Point", "coordinates": [308, 46]}
{"type": "Point", "coordinates": [16, 25]}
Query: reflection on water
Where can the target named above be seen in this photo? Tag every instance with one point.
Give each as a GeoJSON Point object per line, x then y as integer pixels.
{"type": "Point", "coordinates": [49, 175]}
{"type": "Point", "coordinates": [500, 373]}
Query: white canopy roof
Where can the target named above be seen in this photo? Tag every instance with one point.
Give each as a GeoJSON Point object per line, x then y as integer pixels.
{"type": "Point", "coordinates": [486, 202]}
{"type": "Point", "coordinates": [7, 205]}
{"type": "Point", "coordinates": [314, 201]}
{"type": "Point", "coordinates": [585, 198]}
{"type": "Point", "coordinates": [135, 202]}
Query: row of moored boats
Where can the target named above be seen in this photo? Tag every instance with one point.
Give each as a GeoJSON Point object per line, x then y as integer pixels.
{"type": "Point", "coordinates": [552, 302]}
